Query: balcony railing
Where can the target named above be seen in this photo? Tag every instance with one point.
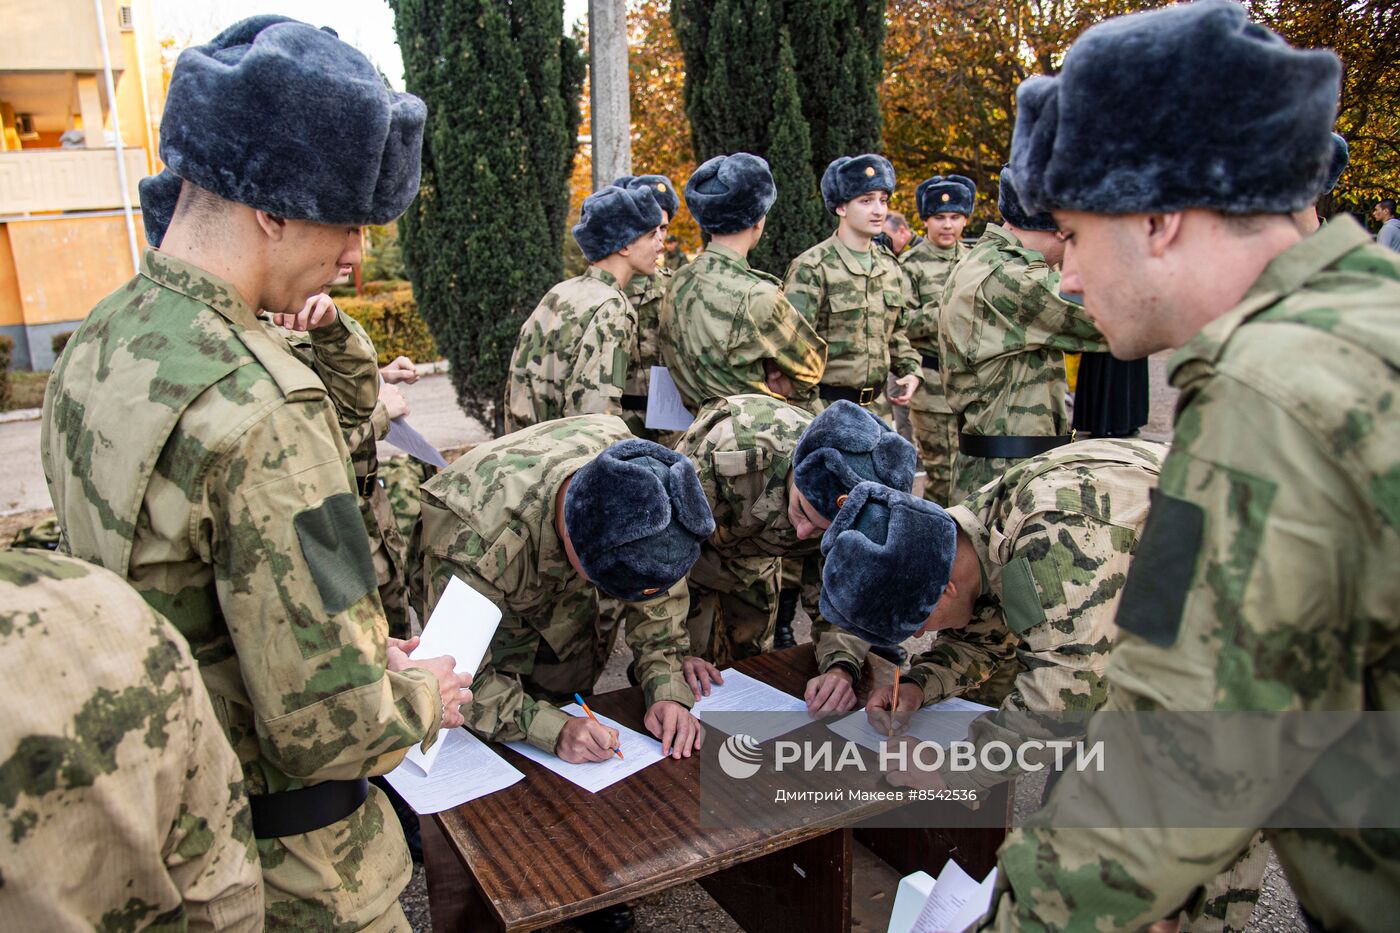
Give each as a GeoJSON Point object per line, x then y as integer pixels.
{"type": "Point", "coordinates": [66, 179]}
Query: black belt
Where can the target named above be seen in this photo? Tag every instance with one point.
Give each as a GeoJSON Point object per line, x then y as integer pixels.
{"type": "Point", "coordinates": [634, 402]}
{"type": "Point", "coordinates": [367, 483]}
{"type": "Point", "coordinates": [931, 361]}
{"type": "Point", "coordinates": [1010, 448]}
{"type": "Point", "coordinates": [294, 812]}
{"type": "Point", "coordinates": [863, 396]}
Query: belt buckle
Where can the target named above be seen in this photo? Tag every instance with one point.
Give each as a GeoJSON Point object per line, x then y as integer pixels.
{"type": "Point", "coordinates": [368, 482]}
{"type": "Point", "coordinates": [867, 395]}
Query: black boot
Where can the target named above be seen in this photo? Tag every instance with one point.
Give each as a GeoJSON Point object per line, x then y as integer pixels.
{"type": "Point", "coordinates": [787, 608]}
{"type": "Point", "coordinates": [616, 919]}
{"type": "Point", "coordinates": [895, 654]}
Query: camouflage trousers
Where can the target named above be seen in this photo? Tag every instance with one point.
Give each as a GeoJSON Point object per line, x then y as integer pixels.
{"type": "Point", "coordinates": [733, 606]}
{"type": "Point", "coordinates": [972, 473]}
{"type": "Point", "coordinates": [346, 876]}
{"type": "Point", "coordinates": [805, 575]}
{"type": "Point", "coordinates": [936, 433]}
{"type": "Point", "coordinates": [1228, 901]}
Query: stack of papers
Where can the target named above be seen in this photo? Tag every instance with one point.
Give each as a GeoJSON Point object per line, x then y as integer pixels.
{"type": "Point", "coordinates": [640, 751]}
{"type": "Point", "coordinates": [955, 903]}
{"type": "Point", "coordinates": [923, 725]}
{"type": "Point", "coordinates": [462, 624]}
{"type": "Point", "coordinates": [465, 769]}
{"type": "Point", "coordinates": [771, 712]}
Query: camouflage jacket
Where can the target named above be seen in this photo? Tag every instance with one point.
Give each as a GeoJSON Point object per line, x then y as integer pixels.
{"type": "Point", "coordinates": [1054, 538]}
{"type": "Point", "coordinates": [1003, 333]}
{"type": "Point", "coordinates": [489, 520]}
{"type": "Point", "coordinates": [646, 292]}
{"type": "Point", "coordinates": [742, 449]}
{"type": "Point", "coordinates": [1265, 581]}
{"type": "Point", "coordinates": [350, 372]}
{"type": "Point", "coordinates": [123, 803]}
{"type": "Point", "coordinates": [674, 260]}
{"type": "Point", "coordinates": [190, 451]}
{"type": "Point", "coordinates": [722, 319]}
{"type": "Point", "coordinates": [927, 268]}
{"type": "Point", "coordinates": [574, 352]}
{"type": "Point", "coordinates": [863, 316]}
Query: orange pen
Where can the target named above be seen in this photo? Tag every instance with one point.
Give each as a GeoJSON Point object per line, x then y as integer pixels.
{"type": "Point", "coordinates": [894, 700]}
{"type": "Point", "coordinates": [616, 751]}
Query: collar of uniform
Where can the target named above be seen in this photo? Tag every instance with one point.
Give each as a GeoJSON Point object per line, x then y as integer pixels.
{"type": "Point", "coordinates": [727, 254]}
{"type": "Point", "coordinates": [193, 282]}
{"type": "Point", "coordinates": [602, 275]}
{"type": "Point", "coordinates": [977, 533]}
{"type": "Point", "coordinates": [853, 265]}
{"type": "Point", "coordinates": [1285, 274]}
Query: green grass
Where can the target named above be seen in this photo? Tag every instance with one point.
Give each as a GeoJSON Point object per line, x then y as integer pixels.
{"type": "Point", "coordinates": [26, 389]}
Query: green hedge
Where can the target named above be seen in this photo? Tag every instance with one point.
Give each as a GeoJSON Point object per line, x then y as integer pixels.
{"type": "Point", "coordinates": [393, 323]}
{"type": "Point", "coordinates": [59, 341]}
{"type": "Point", "coordinates": [7, 347]}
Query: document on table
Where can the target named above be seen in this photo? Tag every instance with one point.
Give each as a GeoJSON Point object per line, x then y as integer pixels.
{"type": "Point", "coordinates": [750, 707]}
{"type": "Point", "coordinates": [956, 901]}
{"type": "Point", "coordinates": [462, 624]}
{"type": "Point", "coordinates": [465, 769]}
{"type": "Point", "coordinates": [925, 725]}
{"type": "Point", "coordinates": [639, 750]}
{"type": "Point", "coordinates": [665, 410]}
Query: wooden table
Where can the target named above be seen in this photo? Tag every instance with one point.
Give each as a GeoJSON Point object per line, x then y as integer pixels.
{"type": "Point", "coordinates": [545, 850]}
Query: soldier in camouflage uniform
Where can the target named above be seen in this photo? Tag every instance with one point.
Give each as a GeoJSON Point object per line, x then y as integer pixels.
{"type": "Point", "coordinates": [499, 519]}
{"type": "Point", "coordinates": [1041, 557]}
{"type": "Point", "coordinates": [577, 347]}
{"type": "Point", "coordinates": [673, 257]}
{"type": "Point", "coordinates": [742, 448]}
{"type": "Point", "coordinates": [124, 806]}
{"type": "Point", "coordinates": [1265, 579]}
{"type": "Point", "coordinates": [853, 294]}
{"type": "Point", "coordinates": [646, 291]}
{"type": "Point", "coordinates": [190, 451]}
{"type": "Point", "coordinates": [1003, 334]}
{"type": "Point", "coordinates": [726, 328]}
{"type": "Point", "coordinates": [945, 204]}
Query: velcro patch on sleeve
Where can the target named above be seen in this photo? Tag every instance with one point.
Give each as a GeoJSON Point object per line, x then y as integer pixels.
{"type": "Point", "coordinates": [1020, 600]}
{"type": "Point", "coordinates": [1163, 569]}
{"type": "Point", "coordinates": [336, 548]}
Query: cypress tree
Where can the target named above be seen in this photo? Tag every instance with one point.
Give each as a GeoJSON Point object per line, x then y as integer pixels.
{"type": "Point", "coordinates": [483, 241]}
{"type": "Point", "coordinates": [825, 102]}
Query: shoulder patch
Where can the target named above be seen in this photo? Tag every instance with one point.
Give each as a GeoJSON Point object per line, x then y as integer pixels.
{"type": "Point", "coordinates": [1020, 600]}
{"type": "Point", "coordinates": [336, 549]}
{"type": "Point", "coordinates": [1163, 567]}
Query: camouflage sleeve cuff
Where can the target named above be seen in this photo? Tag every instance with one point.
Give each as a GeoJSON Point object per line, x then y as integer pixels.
{"type": "Point", "coordinates": [907, 366]}
{"type": "Point", "coordinates": [379, 421]}
{"type": "Point", "coordinates": [337, 333]}
{"type": "Point", "coordinates": [670, 688]}
{"type": "Point", "coordinates": [837, 647]}
{"type": "Point", "coordinates": [544, 730]}
{"type": "Point", "coordinates": [934, 681]}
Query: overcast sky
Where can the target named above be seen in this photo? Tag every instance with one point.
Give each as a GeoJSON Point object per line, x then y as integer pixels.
{"type": "Point", "coordinates": [366, 24]}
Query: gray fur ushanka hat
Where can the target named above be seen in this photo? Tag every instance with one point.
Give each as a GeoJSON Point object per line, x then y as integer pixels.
{"type": "Point", "coordinates": [1189, 106]}
{"type": "Point", "coordinates": [636, 517]}
{"type": "Point", "coordinates": [288, 119]}
{"type": "Point", "coordinates": [612, 217]}
{"type": "Point", "coordinates": [159, 195]}
{"type": "Point", "coordinates": [1015, 213]}
{"type": "Point", "coordinates": [846, 445]}
{"type": "Point", "coordinates": [953, 194]}
{"type": "Point", "coordinates": [730, 193]}
{"type": "Point", "coordinates": [660, 187]}
{"type": "Point", "coordinates": [889, 556]}
{"type": "Point", "coordinates": [849, 177]}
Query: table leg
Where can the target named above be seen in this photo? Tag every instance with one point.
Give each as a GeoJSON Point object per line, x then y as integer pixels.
{"type": "Point", "coordinates": [805, 888]}
{"type": "Point", "coordinates": [926, 849]}
{"type": "Point", "coordinates": [453, 899]}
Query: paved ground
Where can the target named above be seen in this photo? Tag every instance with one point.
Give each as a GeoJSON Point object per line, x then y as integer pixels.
{"type": "Point", "coordinates": [434, 412]}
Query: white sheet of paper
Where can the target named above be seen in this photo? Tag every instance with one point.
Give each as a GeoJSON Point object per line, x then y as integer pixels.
{"type": "Point", "coordinates": [462, 624]}
{"type": "Point", "coordinates": [639, 750]}
{"type": "Point", "coordinates": [955, 902]}
{"type": "Point", "coordinates": [466, 769]}
{"type": "Point", "coordinates": [909, 899]}
{"type": "Point", "coordinates": [665, 410]}
{"type": "Point", "coordinates": [924, 727]}
{"type": "Point", "coordinates": [741, 693]}
{"type": "Point", "coordinates": [405, 437]}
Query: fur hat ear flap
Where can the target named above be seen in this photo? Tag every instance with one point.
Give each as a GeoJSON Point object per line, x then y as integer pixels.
{"type": "Point", "coordinates": [688, 502]}
{"type": "Point", "coordinates": [730, 193]}
{"type": "Point", "coordinates": [1015, 214]}
{"type": "Point", "coordinates": [1341, 158]}
{"type": "Point", "coordinates": [843, 446]}
{"type": "Point", "coordinates": [159, 195]}
{"type": "Point", "coordinates": [896, 461]}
